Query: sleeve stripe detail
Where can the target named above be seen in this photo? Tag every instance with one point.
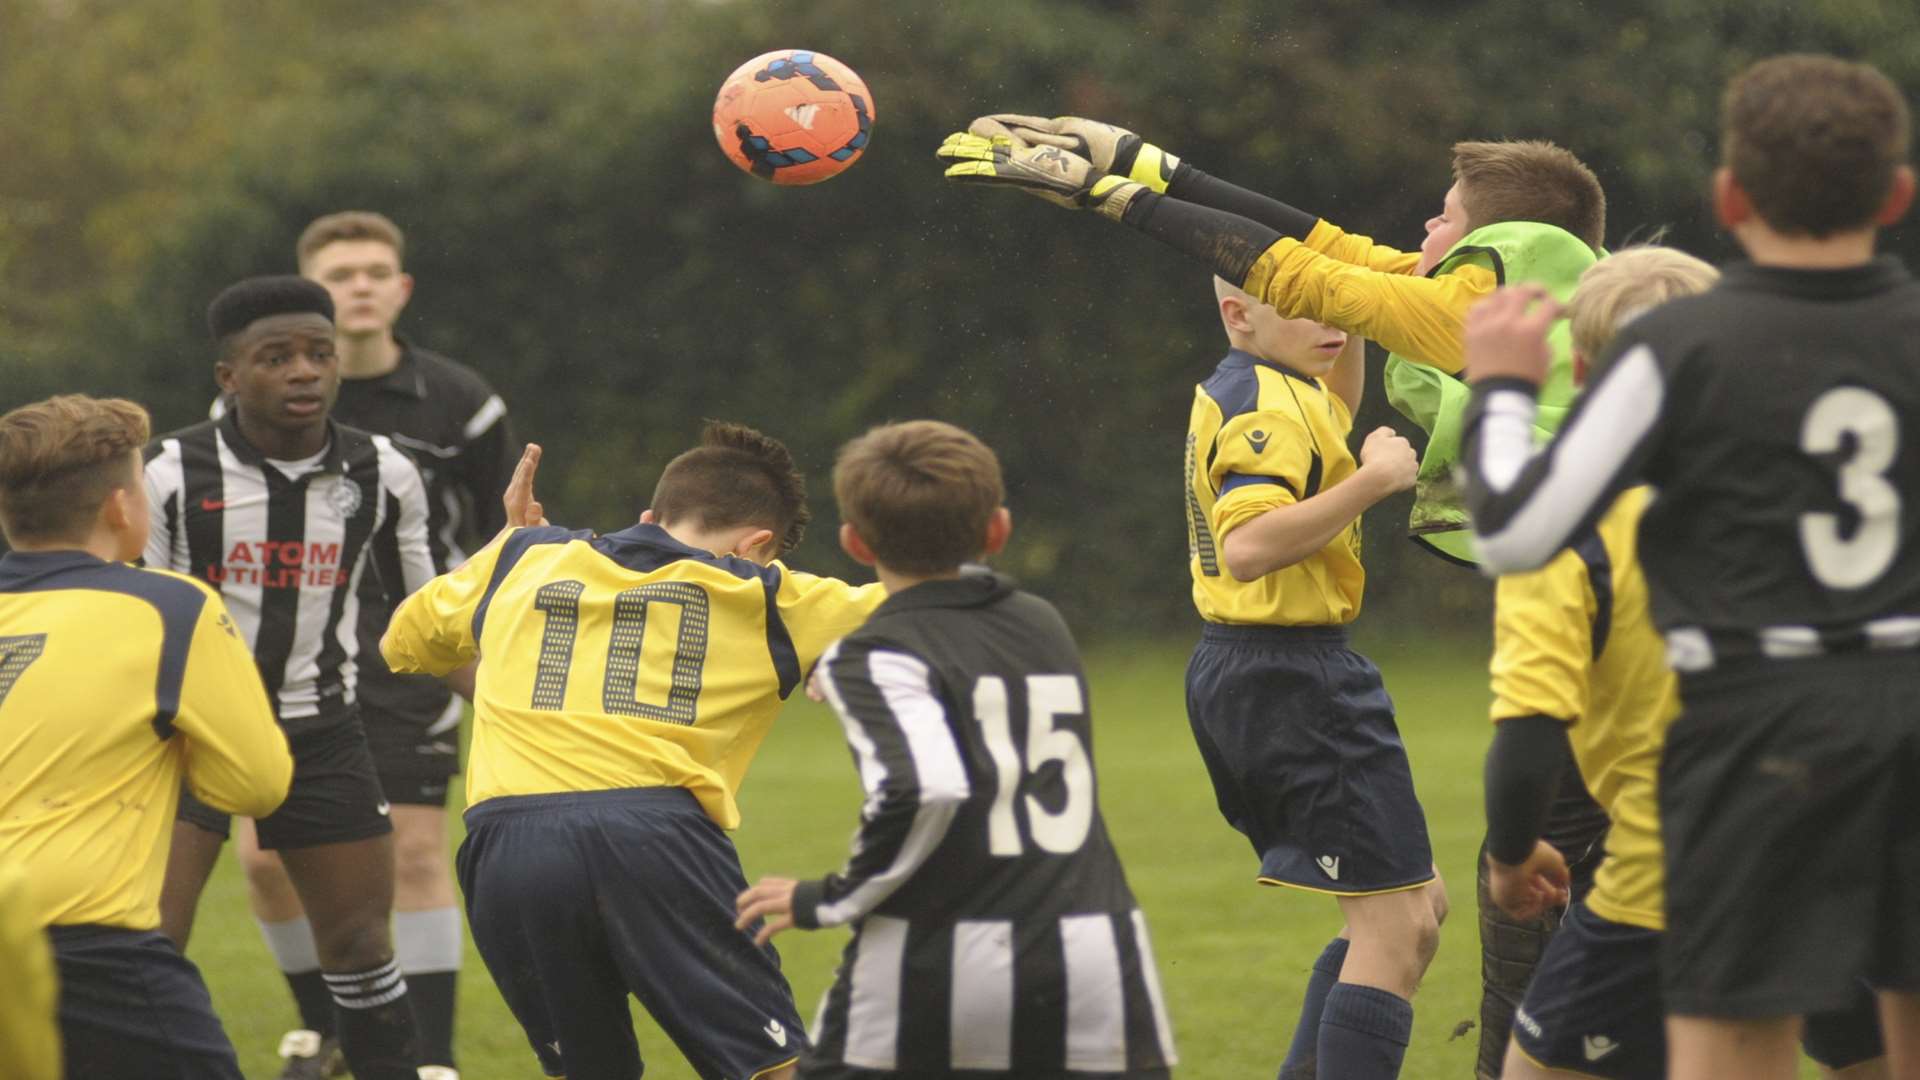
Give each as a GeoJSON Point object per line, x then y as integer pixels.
{"type": "Point", "coordinates": [1240, 480]}
{"type": "Point", "coordinates": [1581, 465]}
{"type": "Point", "coordinates": [1506, 437]}
{"type": "Point", "coordinates": [906, 685]}
{"type": "Point", "coordinates": [489, 414]}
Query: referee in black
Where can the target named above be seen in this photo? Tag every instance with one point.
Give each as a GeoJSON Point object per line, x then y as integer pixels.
{"type": "Point", "coordinates": [283, 511]}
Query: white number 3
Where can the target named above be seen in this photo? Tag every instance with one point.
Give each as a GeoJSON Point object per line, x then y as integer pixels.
{"type": "Point", "coordinates": [1060, 832]}
{"type": "Point", "coordinates": [1850, 563]}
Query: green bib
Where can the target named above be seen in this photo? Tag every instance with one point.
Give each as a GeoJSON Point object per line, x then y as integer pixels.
{"type": "Point", "coordinates": [1517, 252]}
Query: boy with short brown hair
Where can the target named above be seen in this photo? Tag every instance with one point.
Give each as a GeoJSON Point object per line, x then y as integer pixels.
{"type": "Point", "coordinates": [981, 845]}
{"type": "Point", "coordinates": [1782, 558]}
{"type": "Point", "coordinates": [96, 724]}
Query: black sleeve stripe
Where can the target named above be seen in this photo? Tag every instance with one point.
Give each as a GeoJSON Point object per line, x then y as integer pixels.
{"type": "Point", "coordinates": [786, 659]}
{"type": "Point", "coordinates": [1593, 553]}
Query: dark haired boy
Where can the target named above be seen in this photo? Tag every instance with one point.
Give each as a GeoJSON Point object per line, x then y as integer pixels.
{"type": "Point", "coordinates": [994, 933]}
{"type": "Point", "coordinates": [117, 684]}
{"type": "Point", "coordinates": [1782, 557]}
{"type": "Point", "coordinates": [456, 428]}
{"type": "Point", "coordinates": [629, 679]}
{"type": "Point", "coordinates": [285, 513]}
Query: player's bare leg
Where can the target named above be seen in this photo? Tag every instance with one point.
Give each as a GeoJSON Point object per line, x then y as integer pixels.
{"type": "Point", "coordinates": [427, 924]}
{"type": "Point", "coordinates": [1394, 936]}
{"type": "Point", "coordinates": [289, 936]}
{"type": "Point", "coordinates": [347, 890]}
{"type": "Point", "coordinates": [1367, 1018]}
{"type": "Point", "coordinates": [1709, 1048]}
{"type": "Point", "coordinates": [189, 864]}
{"type": "Point", "coordinates": [1900, 1028]}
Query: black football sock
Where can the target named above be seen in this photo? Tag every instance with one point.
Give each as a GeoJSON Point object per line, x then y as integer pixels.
{"type": "Point", "coordinates": [316, 1005]}
{"type": "Point", "coordinates": [432, 995]}
{"type": "Point", "coordinates": [376, 1023]}
{"type": "Point", "coordinates": [428, 946]}
{"type": "Point", "coordinates": [1305, 1051]}
{"type": "Point", "coordinates": [1363, 1033]}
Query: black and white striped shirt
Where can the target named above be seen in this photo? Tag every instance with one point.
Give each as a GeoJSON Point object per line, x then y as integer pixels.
{"type": "Point", "coordinates": [288, 552]}
{"type": "Point", "coordinates": [1776, 416]}
{"type": "Point", "coordinates": [993, 926]}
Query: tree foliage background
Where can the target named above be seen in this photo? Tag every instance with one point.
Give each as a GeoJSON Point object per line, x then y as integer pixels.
{"type": "Point", "coordinates": [578, 238]}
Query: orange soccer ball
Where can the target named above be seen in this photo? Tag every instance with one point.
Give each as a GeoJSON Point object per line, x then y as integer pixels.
{"type": "Point", "coordinates": [793, 116]}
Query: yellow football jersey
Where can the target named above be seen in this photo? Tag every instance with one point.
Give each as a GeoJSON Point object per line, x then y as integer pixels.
{"type": "Point", "coordinates": [1574, 641]}
{"type": "Point", "coordinates": [1370, 289]}
{"type": "Point", "coordinates": [1261, 436]}
{"type": "Point", "coordinates": [114, 683]}
{"type": "Point", "coordinates": [29, 1034]}
{"type": "Point", "coordinates": [619, 661]}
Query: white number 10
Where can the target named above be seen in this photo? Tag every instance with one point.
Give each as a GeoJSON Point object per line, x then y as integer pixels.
{"type": "Point", "coordinates": [1060, 832]}
{"type": "Point", "coordinates": [1851, 563]}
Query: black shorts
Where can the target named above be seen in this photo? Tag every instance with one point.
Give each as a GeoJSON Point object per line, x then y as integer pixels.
{"type": "Point", "coordinates": [334, 798]}
{"type": "Point", "coordinates": [577, 900]}
{"type": "Point", "coordinates": [1297, 732]}
{"type": "Point", "coordinates": [415, 751]}
{"type": "Point", "coordinates": [1788, 796]}
{"type": "Point", "coordinates": [131, 1005]}
{"type": "Point", "coordinates": [1594, 1004]}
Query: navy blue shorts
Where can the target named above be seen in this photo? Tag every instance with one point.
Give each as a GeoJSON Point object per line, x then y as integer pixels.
{"type": "Point", "coordinates": [1297, 732]}
{"type": "Point", "coordinates": [1594, 1006]}
{"type": "Point", "coordinates": [577, 900]}
{"type": "Point", "coordinates": [131, 1005]}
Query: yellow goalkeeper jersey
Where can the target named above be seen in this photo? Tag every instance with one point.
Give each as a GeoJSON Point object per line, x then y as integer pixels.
{"type": "Point", "coordinates": [1261, 436]}
{"type": "Point", "coordinates": [619, 661]}
{"type": "Point", "coordinates": [115, 684]}
{"type": "Point", "coordinates": [1574, 641]}
{"type": "Point", "coordinates": [1368, 289]}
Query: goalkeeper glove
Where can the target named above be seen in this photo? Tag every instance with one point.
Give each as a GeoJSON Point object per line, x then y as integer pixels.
{"type": "Point", "coordinates": [1048, 172]}
{"type": "Point", "coordinates": [1113, 150]}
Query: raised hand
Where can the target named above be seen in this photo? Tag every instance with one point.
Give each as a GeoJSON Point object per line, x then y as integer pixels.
{"type": "Point", "coordinates": [1059, 176]}
{"type": "Point", "coordinates": [522, 507]}
{"type": "Point", "coordinates": [1112, 150]}
{"type": "Point", "coordinates": [1507, 334]}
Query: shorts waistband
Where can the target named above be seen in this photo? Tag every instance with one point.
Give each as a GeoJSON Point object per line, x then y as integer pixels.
{"type": "Point", "coordinates": [75, 933]}
{"type": "Point", "coordinates": [502, 806]}
{"type": "Point", "coordinates": [1255, 634]}
{"type": "Point", "coordinates": [1693, 649]}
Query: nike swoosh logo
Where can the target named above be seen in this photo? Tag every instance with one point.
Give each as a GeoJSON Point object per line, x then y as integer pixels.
{"type": "Point", "coordinates": [213, 504]}
{"type": "Point", "coordinates": [383, 809]}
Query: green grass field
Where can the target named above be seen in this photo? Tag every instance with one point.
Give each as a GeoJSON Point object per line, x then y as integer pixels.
{"type": "Point", "coordinates": [1233, 955]}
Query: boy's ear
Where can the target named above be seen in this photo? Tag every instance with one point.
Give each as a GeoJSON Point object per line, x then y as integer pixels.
{"type": "Point", "coordinates": [223, 376]}
{"type": "Point", "coordinates": [750, 543]}
{"type": "Point", "coordinates": [647, 518]}
{"type": "Point", "coordinates": [1233, 312]}
{"type": "Point", "coordinates": [1899, 197]}
{"type": "Point", "coordinates": [1731, 207]}
{"type": "Point", "coordinates": [999, 528]}
{"type": "Point", "coordinates": [853, 545]}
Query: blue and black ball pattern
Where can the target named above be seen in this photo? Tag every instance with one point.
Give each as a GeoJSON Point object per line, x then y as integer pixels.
{"type": "Point", "coordinates": [766, 160]}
